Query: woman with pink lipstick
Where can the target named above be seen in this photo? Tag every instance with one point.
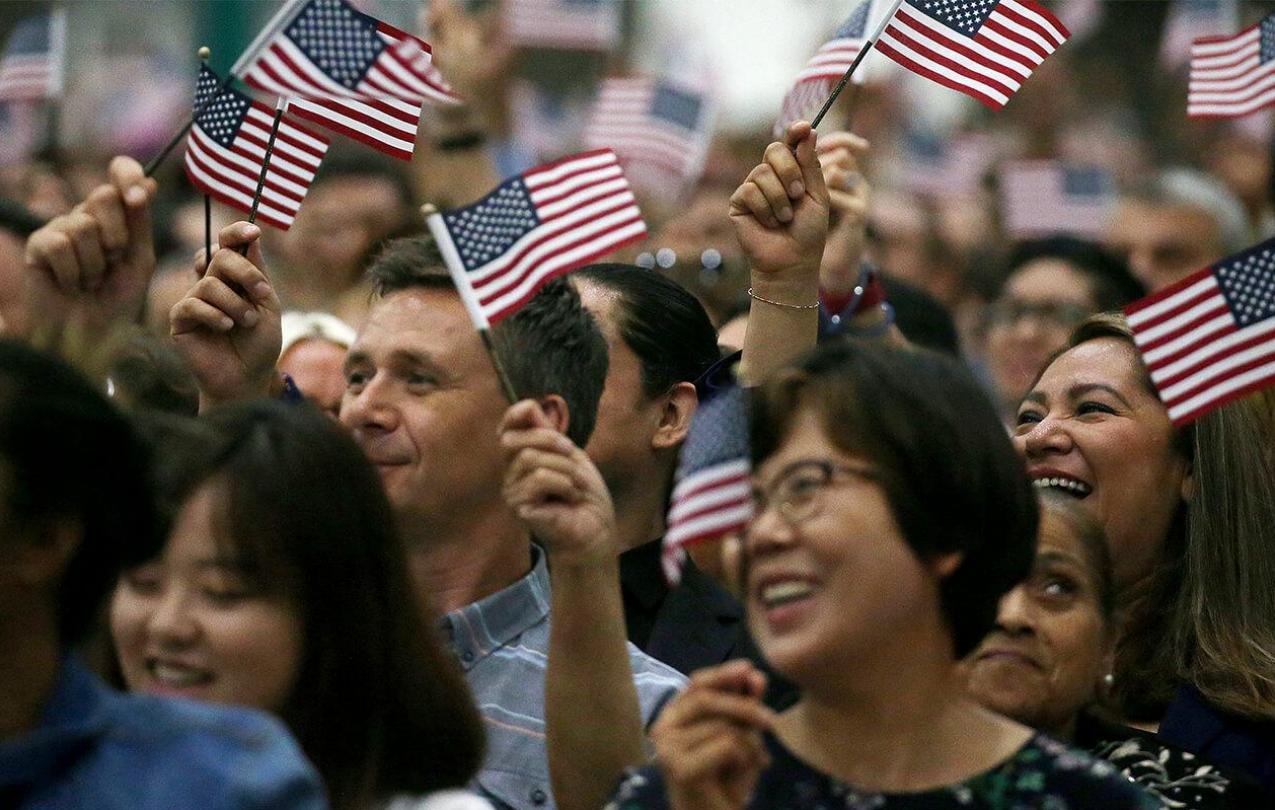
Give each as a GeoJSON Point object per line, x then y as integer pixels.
{"type": "Point", "coordinates": [891, 516]}
{"type": "Point", "coordinates": [1187, 513]}
{"type": "Point", "coordinates": [283, 587]}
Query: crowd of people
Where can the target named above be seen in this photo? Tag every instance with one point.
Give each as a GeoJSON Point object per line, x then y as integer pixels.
{"type": "Point", "coordinates": [276, 536]}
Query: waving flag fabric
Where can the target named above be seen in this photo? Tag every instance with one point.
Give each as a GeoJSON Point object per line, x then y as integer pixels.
{"type": "Point", "coordinates": [227, 146]}
{"type": "Point", "coordinates": [1233, 76]}
{"type": "Point", "coordinates": [576, 25]}
{"type": "Point", "coordinates": [1210, 338]}
{"type": "Point", "coordinates": [712, 495]}
{"type": "Point", "coordinates": [1041, 197]}
{"type": "Point", "coordinates": [660, 131]}
{"type": "Point", "coordinates": [534, 227]}
{"type": "Point", "coordinates": [811, 88]}
{"type": "Point", "coordinates": [985, 49]}
{"type": "Point", "coordinates": [31, 64]}
{"type": "Point", "coordinates": [348, 72]}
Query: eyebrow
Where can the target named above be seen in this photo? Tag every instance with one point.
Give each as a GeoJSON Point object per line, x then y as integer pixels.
{"type": "Point", "coordinates": [1078, 390]}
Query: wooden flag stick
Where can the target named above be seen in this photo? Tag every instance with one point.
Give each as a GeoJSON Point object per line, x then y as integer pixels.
{"type": "Point", "coordinates": [204, 53]}
{"type": "Point", "coordinates": [863, 52]}
{"type": "Point", "coordinates": [466, 291]}
{"type": "Point", "coordinates": [280, 108]}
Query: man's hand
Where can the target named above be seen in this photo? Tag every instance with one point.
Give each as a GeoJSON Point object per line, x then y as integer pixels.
{"type": "Point", "coordinates": [780, 212]}
{"type": "Point", "coordinates": [90, 269]}
{"type": "Point", "coordinates": [708, 741]}
{"type": "Point", "coordinates": [849, 192]}
{"type": "Point", "coordinates": [556, 490]}
{"type": "Point", "coordinates": [228, 325]}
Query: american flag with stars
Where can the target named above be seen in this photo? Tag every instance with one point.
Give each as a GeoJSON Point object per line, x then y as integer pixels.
{"type": "Point", "coordinates": [1041, 197]}
{"type": "Point", "coordinates": [1210, 338]}
{"type": "Point", "coordinates": [985, 49]}
{"type": "Point", "coordinates": [660, 130]}
{"type": "Point", "coordinates": [712, 494]}
{"type": "Point", "coordinates": [534, 227]}
{"type": "Point", "coordinates": [574, 25]}
{"type": "Point", "coordinates": [348, 72]}
{"type": "Point", "coordinates": [814, 83]}
{"type": "Point", "coordinates": [32, 62]}
{"type": "Point", "coordinates": [1233, 76]}
{"type": "Point", "coordinates": [227, 146]}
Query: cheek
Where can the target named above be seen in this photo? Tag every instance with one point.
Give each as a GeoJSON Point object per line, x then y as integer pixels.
{"type": "Point", "coordinates": [1077, 642]}
{"type": "Point", "coordinates": [257, 651]}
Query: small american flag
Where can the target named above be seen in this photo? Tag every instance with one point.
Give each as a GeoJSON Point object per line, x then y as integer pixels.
{"type": "Point", "coordinates": [985, 49]}
{"type": "Point", "coordinates": [31, 65]}
{"type": "Point", "coordinates": [227, 146]}
{"type": "Point", "coordinates": [574, 25]}
{"type": "Point", "coordinates": [660, 130]}
{"type": "Point", "coordinates": [814, 83]}
{"type": "Point", "coordinates": [1233, 76]}
{"type": "Point", "coordinates": [712, 495]}
{"type": "Point", "coordinates": [534, 227]}
{"type": "Point", "coordinates": [946, 167]}
{"type": "Point", "coordinates": [1189, 20]}
{"type": "Point", "coordinates": [1042, 197]}
{"type": "Point", "coordinates": [20, 132]}
{"type": "Point", "coordinates": [348, 72]}
{"type": "Point", "coordinates": [1210, 338]}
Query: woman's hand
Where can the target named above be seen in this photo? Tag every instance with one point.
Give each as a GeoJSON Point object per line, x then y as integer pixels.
{"type": "Point", "coordinates": [708, 741]}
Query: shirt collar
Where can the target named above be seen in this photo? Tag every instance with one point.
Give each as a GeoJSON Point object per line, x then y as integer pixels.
{"type": "Point", "coordinates": [479, 628]}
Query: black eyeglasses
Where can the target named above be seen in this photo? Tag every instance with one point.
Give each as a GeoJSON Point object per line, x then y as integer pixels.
{"type": "Point", "coordinates": [799, 491]}
{"type": "Point", "coordinates": [1052, 313]}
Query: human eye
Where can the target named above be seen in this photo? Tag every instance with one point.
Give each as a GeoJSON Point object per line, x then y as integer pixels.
{"type": "Point", "coordinates": [225, 589]}
{"type": "Point", "coordinates": [420, 380]}
{"type": "Point", "coordinates": [146, 580]}
{"type": "Point", "coordinates": [1029, 416]}
{"type": "Point", "coordinates": [802, 485]}
{"type": "Point", "coordinates": [1056, 588]}
{"type": "Point", "coordinates": [1090, 407]}
{"type": "Point", "coordinates": [355, 379]}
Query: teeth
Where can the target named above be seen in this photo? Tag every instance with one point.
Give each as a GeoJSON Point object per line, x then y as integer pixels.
{"type": "Point", "coordinates": [178, 676]}
{"type": "Point", "coordinates": [786, 591]}
{"type": "Point", "coordinates": [1069, 485]}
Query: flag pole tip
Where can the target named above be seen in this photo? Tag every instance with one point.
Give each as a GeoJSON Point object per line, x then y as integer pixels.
{"type": "Point", "coordinates": [429, 210]}
{"type": "Point", "coordinates": [204, 52]}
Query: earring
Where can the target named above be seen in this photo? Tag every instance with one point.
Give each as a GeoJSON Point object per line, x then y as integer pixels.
{"type": "Point", "coordinates": [1108, 681]}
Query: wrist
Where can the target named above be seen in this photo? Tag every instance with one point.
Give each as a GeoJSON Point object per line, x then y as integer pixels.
{"type": "Point", "coordinates": [797, 285]}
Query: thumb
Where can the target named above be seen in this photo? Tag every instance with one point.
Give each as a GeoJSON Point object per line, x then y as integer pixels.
{"type": "Point", "coordinates": [138, 191]}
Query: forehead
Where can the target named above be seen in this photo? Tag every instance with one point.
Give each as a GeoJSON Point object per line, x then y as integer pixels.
{"type": "Point", "coordinates": [1049, 280]}
{"type": "Point", "coordinates": [805, 438]}
{"type": "Point", "coordinates": [1137, 221]}
{"type": "Point", "coordinates": [1105, 361]}
{"type": "Point", "coordinates": [424, 321]}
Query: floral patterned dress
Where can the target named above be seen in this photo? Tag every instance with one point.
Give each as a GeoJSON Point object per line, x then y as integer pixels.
{"type": "Point", "coordinates": [1043, 775]}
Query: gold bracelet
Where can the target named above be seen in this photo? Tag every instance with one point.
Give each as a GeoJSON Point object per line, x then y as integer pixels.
{"type": "Point", "coordinates": [751, 294]}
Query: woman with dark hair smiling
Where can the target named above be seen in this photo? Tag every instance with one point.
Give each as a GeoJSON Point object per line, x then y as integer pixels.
{"type": "Point", "coordinates": [891, 516]}
{"type": "Point", "coordinates": [284, 587]}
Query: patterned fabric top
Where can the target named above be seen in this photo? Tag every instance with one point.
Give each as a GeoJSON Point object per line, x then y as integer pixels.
{"type": "Point", "coordinates": [1043, 775]}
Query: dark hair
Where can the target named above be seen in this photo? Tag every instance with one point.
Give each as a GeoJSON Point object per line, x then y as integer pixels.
{"type": "Point", "coordinates": [552, 345]}
{"type": "Point", "coordinates": [18, 219]}
{"type": "Point", "coordinates": [1093, 542]}
{"type": "Point", "coordinates": [663, 324]}
{"type": "Point", "coordinates": [379, 707]}
{"type": "Point", "coordinates": [68, 456]}
{"type": "Point", "coordinates": [1113, 284]}
{"type": "Point", "coordinates": [921, 318]}
{"type": "Point", "coordinates": [361, 164]}
{"type": "Point", "coordinates": [945, 463]}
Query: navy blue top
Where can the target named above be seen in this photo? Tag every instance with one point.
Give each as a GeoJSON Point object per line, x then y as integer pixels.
{"type": "Point", "coordinates": [96, 747]}
{"type": "Point", "coordinates": [1245, 745]}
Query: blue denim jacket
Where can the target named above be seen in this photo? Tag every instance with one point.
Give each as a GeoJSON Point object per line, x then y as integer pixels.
{"type": "Point", "coordinates": [98, 748]}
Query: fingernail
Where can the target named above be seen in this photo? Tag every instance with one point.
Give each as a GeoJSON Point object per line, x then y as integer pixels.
{"type": "Point", "coordinates": [250, 318]}
{"type": "Point", "coordinates": [565, 444]}
{"type": "Point", "coordinates": [136, 195]}
{"type": "Point", "coordinates": [226, 323]}
{"type": "Point", "coordinates": [261, 290]}
{"type": "Point", "coordinates": [785, 215]}
{"type": "Point", "coordinates": [796, 189]}
{"type": "Point", "coordinates": [251, 232]}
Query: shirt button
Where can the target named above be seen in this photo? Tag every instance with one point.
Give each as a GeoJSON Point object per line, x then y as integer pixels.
{"type": "Point", "coordinates": [538, 797]}
{"type": "Point", "coordinates": [467, 656]}
{"type": "Point", "coordinates": [836, 319]}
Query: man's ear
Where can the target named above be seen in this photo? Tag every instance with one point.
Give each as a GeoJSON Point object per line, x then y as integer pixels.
{"type": "Point", "coordinates": [556, 410]}
{"type": "Point", "coordinates": [944, 565]}
{"type": "Point", "coordinates": [675, 416]}
{"type": "Point", "coordinates": [1188, 483]}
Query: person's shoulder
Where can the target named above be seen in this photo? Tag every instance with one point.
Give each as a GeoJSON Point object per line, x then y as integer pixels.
{"type": "Point", "coordinates": [1071, 773]}
{"type": "Point", "coordinates": [641, 789]}
{"type": "Point", "coordinates": [229, 756]}
{"type": "Point", "coordinates": [657, 683]}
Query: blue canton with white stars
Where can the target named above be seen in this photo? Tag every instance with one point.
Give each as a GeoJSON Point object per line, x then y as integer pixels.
{"type": "Point", "coordinates": [963, 16]}
{"type": "Point", "coordinates": [856, 25]}
{"type": "Point", "coordinates": [676, 106]}
{"type": "Point", "coordinates": [719, 432]}
{"type": "Point", "coordinates": [341, 41]}
{"type": "Point", "coordinates": [29, 37]}
{"type": "Point", "coordinates": [1248, 283]}
{"type": "Point", "coordinates": [489, 227]}
{"type": "Point", "coordinates": [222, 119]}
{"type": "Point", "coordinates": [1267, 39]}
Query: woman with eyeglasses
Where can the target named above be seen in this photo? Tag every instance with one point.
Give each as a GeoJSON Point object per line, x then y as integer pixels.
{"type": "Point", "coordinates": [891, 516]}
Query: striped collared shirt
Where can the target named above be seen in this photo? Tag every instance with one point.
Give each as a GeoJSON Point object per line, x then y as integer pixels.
{"type": "Point", "coordinates": [502, 642]}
